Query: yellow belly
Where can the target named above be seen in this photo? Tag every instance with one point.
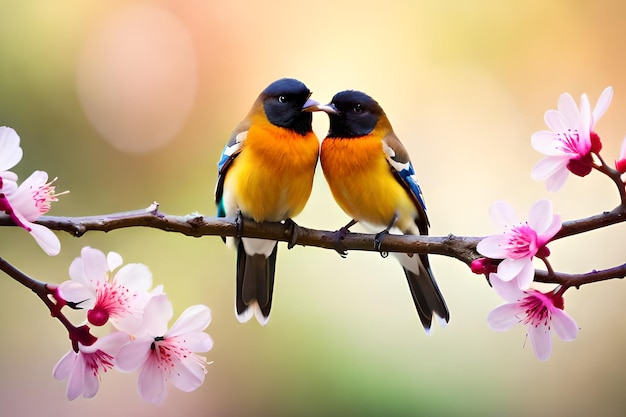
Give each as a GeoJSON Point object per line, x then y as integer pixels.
{"type": "Point", "coordinates": [361, 182]}
{"type": "Point", "coordinates": [271, 179]}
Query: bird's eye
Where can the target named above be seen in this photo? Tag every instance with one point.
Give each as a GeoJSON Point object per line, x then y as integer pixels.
{"type": "Point", "coordinates": [282, 99]}
{"type": "Point", "coordinates": [357, 108]}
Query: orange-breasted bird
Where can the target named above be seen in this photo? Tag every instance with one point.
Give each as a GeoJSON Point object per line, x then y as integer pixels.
{"type": "Point", "coordinates": [372, 179]}
{"type": "Point", "coordinates": [266, 173]}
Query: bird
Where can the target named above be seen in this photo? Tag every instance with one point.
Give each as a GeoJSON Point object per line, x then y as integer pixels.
{"type": "Point", "coordinates": [372, 179]}
{"type": "Point", "coordinates": [265, 173]}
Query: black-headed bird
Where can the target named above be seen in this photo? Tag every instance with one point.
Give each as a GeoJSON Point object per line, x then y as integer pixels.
{"type": "Point", "coordinates": [372, 179]}
{"type": "Point", "coordinates": [266, 173]}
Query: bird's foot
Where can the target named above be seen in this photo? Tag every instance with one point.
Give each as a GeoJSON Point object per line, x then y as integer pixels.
{"type": "Point", "coordinates": [294, 233]}
{"type": "Point", "coordinates": [340, 234]}
{"type": "Point", "coordinates": [238, 224]}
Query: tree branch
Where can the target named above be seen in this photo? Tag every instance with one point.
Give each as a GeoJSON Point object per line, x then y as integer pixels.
{"type": "Point", "coordinates": [462, 248]}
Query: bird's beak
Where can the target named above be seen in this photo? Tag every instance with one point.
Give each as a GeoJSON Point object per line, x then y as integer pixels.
{"type": "Point", "coordinates": [327, 108]}
{"type": "Point", "coordinates": [310, 105]}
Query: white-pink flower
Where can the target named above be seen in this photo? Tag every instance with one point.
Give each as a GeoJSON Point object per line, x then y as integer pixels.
{"type": "Point", "coordinates": [10, 154]}
{"type": "Point", "coordinates": [118, 297]}
{"type": "Point", "coordinates": [542, 312]}
{"type": "Point", "coordinates": [164, 355]}
{"type": "Point", "coordinates": [571, 139]}
{"type": "Point", "coordinates": [26, 203]}
{"type": "Point", "coordinates": [520, 241]}
{"type": "Point", "coordinates": [83, 368]}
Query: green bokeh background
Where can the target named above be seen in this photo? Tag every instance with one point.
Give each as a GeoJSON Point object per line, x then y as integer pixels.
{"type": "Point", "coordinates": [465, 84]}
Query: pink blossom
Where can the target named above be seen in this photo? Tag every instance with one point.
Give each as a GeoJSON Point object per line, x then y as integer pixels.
{"type": "Point", "coordinates": [164, 355]}
{"type": "Point", "coordinates": [542, 312]}
{"type": "Point", "coordinates": [571, 139]}
{"type": "Point", "coordinates": [26, 203]}
{"type": "Point", "coordinates": [83, 368]}
{"type": "Point", "coordinates": [118, 296]}
{"type": "Point", "coordinates": [520, 241]}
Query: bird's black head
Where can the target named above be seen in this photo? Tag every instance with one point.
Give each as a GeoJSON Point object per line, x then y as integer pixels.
{"type": "Point", "coordinates": [283, 101]}
{"type": "Point", "coordinates": [352, 114]}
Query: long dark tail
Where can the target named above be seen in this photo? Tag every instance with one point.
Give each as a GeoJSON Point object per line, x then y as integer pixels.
{"type": "Point", "coordinates": [255, 284]}
{"type": "Point", "coordinates": [424, 290]}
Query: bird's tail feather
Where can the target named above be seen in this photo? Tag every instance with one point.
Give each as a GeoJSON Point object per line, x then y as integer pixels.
{"type": "Point", "coordinates": [255, 284]}
{"type": "Point", "coordinates": [424, 290]}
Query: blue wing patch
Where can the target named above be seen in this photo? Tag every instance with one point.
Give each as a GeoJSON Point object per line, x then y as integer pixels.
{"type": "Point", "coordinates": [404, 172]}
{"type": "Point", "coordinates": [230, 152]}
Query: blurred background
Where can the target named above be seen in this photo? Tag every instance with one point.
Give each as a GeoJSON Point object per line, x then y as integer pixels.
{"type": "Point", "coordinates": [129, 102]}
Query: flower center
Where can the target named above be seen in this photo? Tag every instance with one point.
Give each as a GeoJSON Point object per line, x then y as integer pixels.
{"type": "Point", "coordinates": [522, 241]}
{"type": "Point", "coordinates": [44, 195]}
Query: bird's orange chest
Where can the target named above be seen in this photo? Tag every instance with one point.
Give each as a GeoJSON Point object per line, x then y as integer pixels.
{"type": "Point", "coordinates": [272, 177]}
{"type": "Point", "coordinates": [360, 179]}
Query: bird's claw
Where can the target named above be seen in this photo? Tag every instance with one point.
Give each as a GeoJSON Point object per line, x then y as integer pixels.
{"type": "Point", "coordinates": [339, 236]}
{"type": "Point", "coordinates": [294, 233]}
{"type": "Point", "coordinates": [238, 224]}
{"type": "Point", "coordinates": [378, 241]}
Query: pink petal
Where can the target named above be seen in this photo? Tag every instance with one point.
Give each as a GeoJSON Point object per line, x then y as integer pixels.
{"type": "Point", "coordinates": [603, 104]}
{"type": "Point", "coordinates": [110, 343]}
{"type": "Point", "coordinates": [133, 355]}
{"type": "Point", "coordinates": [10, 151]}
{"type": "Point", "coordinates": [526, 276]}
{"type": "Point", "coordinates": [196, 341]}
{"type": "Point", "coordinates": [511, 268]}
{"type": "Point", "coordinates": [46, 239]}
{"type": "Point", "coordinates": [94, 264]}
{"type": "Point", "coordinates": [188, 374]}
{"type": "Point", "coordinates": [568, 108]}
{"type": "Point", "coordinates": [91, 384]}
{"type": "Point", "coordinates": [114, 260]}
{"type": "Point", "coordinates": [493, 247]}
{"type": "Point", "coordinates": [502, 214]}
{"type": "Point", "coordinates": [509, 290]}
{"type": "Point", "coordinates": [564, 326]}
{"type": "Point", "coordinates": [557, 180]}
{"type": "Point", "coordinates": [76, 292]}
{"type": "Point", "coordinates": [540, 216]}
{"type": "Point", "coordinates": [556, 121]}
{"type": "Point", "coordinates": [504, 317]}
{"type": "Point", "coordinates": [551, 230]}
{"type": "Point", "coordinates": [76, 382]}
{"type": "Point", "coordinates": [151, 383]}
{"type": "Point", "coordinates": [135, 276]}
{"type": "Point", "coordinates": [64, 366]}
{"type": "Point", "coordinates": [193, 319]}
{"type": "Point", "coordinates": [548, 166]}
{"type": "Point", "coordinates": [157, 313]}
{"type": "Point", "coordinates": [544, 141]}
{"type": "Point", "coordinates": [585, 124]}
{"type": "Point", "coordinates": [541, 341]}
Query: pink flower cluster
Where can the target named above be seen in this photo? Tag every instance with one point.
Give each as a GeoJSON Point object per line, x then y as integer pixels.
{"type": "Point", "coordinates": [516, 246]}
{"type": "Point", "coordinates": [122, 296]}
{"type": "Point", "coordinates": [31, 199]}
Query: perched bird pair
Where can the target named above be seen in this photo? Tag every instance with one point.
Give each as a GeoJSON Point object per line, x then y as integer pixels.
{"type": "Point", "coordinates": [266, 173]}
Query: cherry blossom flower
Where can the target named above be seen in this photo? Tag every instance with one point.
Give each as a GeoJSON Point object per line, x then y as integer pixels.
{"type": "Point", "coordinates": [118, 297]}
{"type": "Point", "coordinates": [10, 154]}
{"type": "Point", "coordinates": [83, 368]}
{"type": "Point", "coordinates": [541, 311]}
{"type": "Point", "coordinates": [164, 355]}
{"type": "Point", "coordinates": [520, 242]}
{"type": "Point", "coordinates": [26, 203]}
{"type": "Point", "coordinates": [571, 140]}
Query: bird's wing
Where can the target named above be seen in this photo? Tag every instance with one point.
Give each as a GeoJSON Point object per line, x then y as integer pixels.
{"type": "Point", "coordinates": [230, 152]}
{"type": "Point", "coordinates": [402, 169]}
